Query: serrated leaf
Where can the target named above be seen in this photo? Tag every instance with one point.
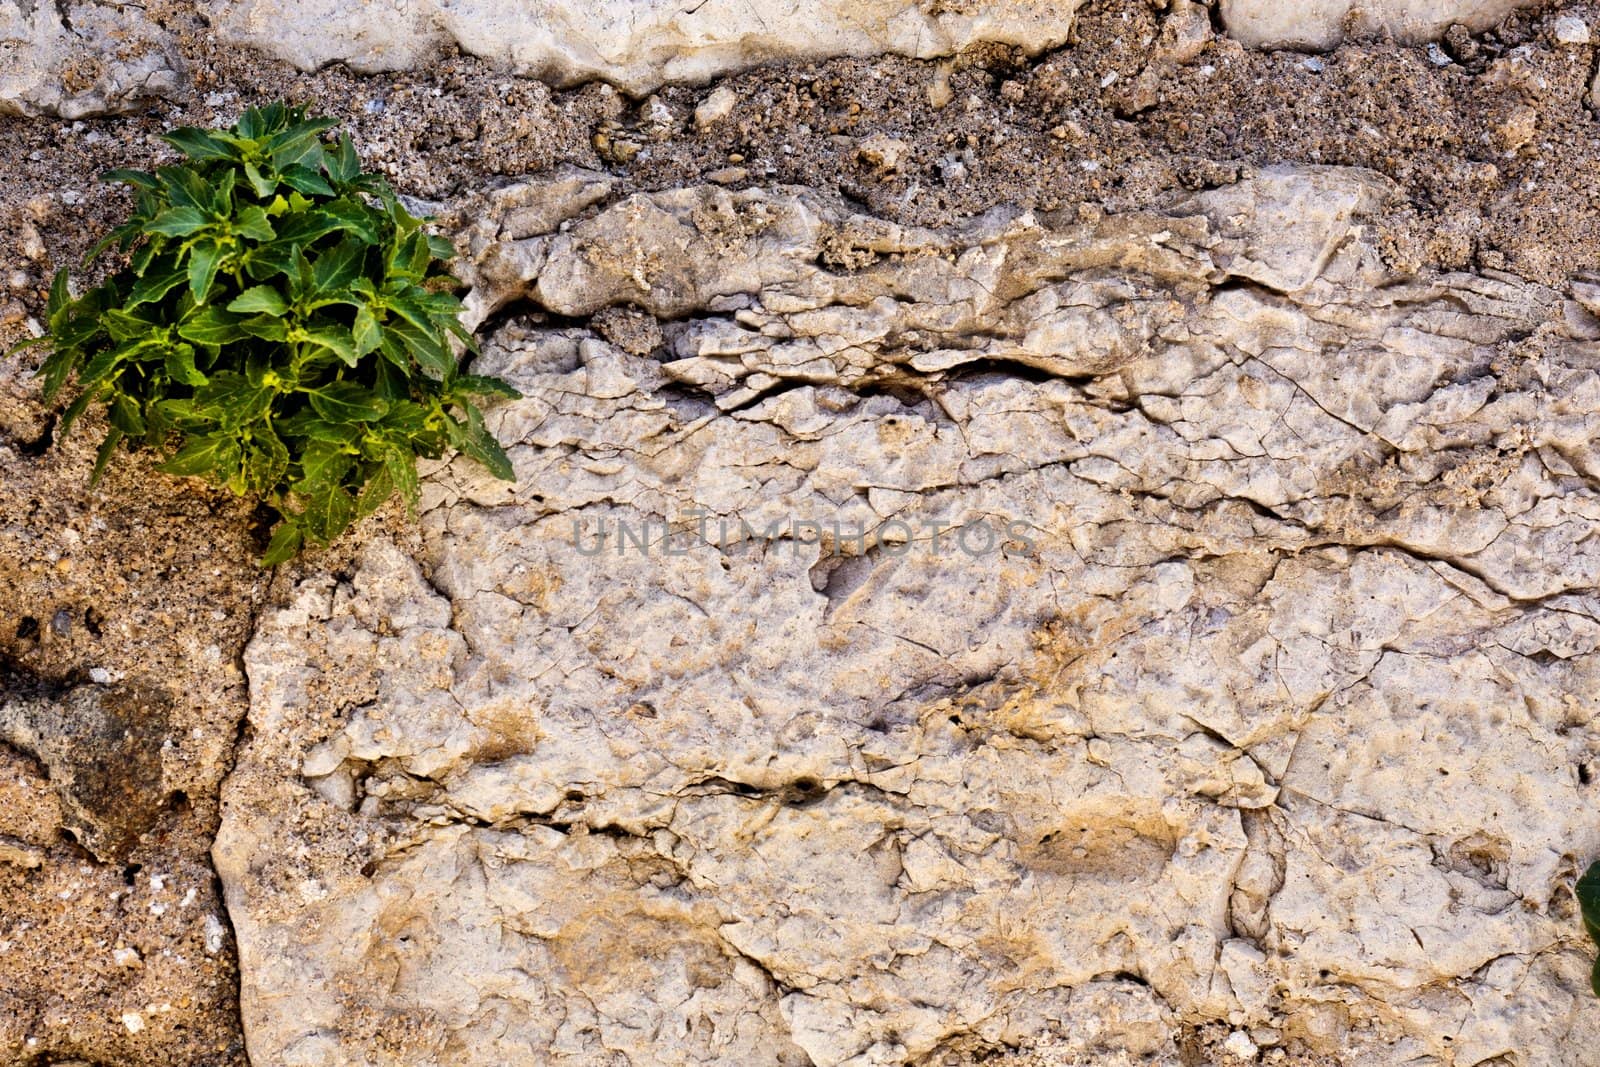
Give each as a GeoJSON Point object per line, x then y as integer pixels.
{"type": "Point", "coordinates": [143, 256]}
{"type": "Point", "coordinates": [266, 462]}
{"type": "Point", "coordinates": [264, 261]}
{"type": "Point", "coordinates": [263, 185]}
{"type": "Point", "coordinates": [341, 163]}
{"type": "Point", "coordinates": [482, 385]}
{"type": "Point", "coordinates": [303, 179]}
{"type": "Point", "coordinates": [424, 347]}
{"type": "Point", "coordinates": [211, 325]}
{"type": "Point", "coordinates": [307, 226]}
{"type": "Point", "coordinates": [265, 327]}
{"type": "Point", "coordinates": [199, 144]}
{"type": "Point", "coordinates": [177, 222]}
{"type": "Point", "coordinates": [75, 411]}
{"type": "Point", "coordinates": [184, 187]}
{"type": "Point", "coordinates": [252, 222]}
{"type": "Point", "coordinates": [300, 132]}
{"type": "Point", "coordinates": [222, 194]}
{"type": "Point", "coordinates": [155, 285]}
{"type": "Point", "coordinates": [126, 416]}
{"type": "Point", "coordinates": [379, 488]}
{"type": "Point", "coordinates": [472, 438]}
{"type": "Point", "coordinates": [402, 468]}
{"type": "Point", "coordinates": [212, 454]}
{"type": "Point", "coordinates": [336, 340]}
{"type": "Point", "coordinates": [60, 296]}
{"type": "Point", "coordinates": [180, 366]}
{"type": "Point", "coordinates": [368, 335]}
{"type": "Point", "coordinates": [203, 260]}
{"type": "Point", "coordinates": [137, 178]}
{"type": "Point", "coordinates": [121, 235]}
{"type": "Point", "coordinates": [338, 267]}
{"type": "Point", "coordinates": [354, 217]}
{"type": "Point", "coordinates": [262, 299]}
{"type": "Point", "coordinates": [323, 464]}
{"type": "Point", "coordinates": [285, 544]}
{"type": "Point", "coordinates": [347, 402]}
{"type": "Point", "coordinates": [232, 399]}
{"type": "Point", "coordinates": [103, 456]}
{"type": "Point", "coordinates": [329, 513]}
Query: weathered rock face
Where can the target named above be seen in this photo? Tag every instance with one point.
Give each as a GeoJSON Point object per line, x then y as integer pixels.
{"type": "Point", "coordinates": [637, 44]}
{"type": "Point", "coordinates": [1324, 23]}
{"type": "Point", "coordinates": [1252, 677]}
{"type": "Point", "coordinates": [77, 60]}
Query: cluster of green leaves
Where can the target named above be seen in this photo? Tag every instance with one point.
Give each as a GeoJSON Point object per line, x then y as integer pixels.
{"type": "Point", "coordinates": [282, 327]}
{"type": "Point", "coordinates": [1589, 904]}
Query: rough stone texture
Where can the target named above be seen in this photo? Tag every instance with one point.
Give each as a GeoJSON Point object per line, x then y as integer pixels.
{"type": "Point", "coordinates": [1322, 24]}
{"type": "Point", "coordinates": [636, 44]}
{"type": "Point", "coordinates": [1271, 702]}
{"type": "Point", "coordinates": [102, 746]}
{"type": "Point", "coordinates": [78, 60]}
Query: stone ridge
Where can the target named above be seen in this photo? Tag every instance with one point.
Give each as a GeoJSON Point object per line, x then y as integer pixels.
{"type": "Point", "coordinates": [634, 44]}
{"type": "Point", "coordinates": [1269, 701]}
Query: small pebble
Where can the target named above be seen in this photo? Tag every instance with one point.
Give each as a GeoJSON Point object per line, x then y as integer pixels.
{"type": "Point", "coordinates": [1570, 29]}
{"type": "Point", "coordinates": [716, 107]}
{"type": "Point", "coordinates": [133, 1021]}
{"type": "Point", "coordinates": [61, 623]}
{"type": "Point", "coordinates": [883, 151]}
{"type": "Point", "coordinates": [1240, 1045]}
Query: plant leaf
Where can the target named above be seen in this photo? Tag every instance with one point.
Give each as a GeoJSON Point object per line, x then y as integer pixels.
{"type": "Point", "coordinates": [137, 178]}
{"type": "Point", "coordinates": [482, 385]}
{"type": "Point", "coordinates": [285, 544]}
{"type": "Point", "coordinates": [154, 286]}
{"type": "Point", "coordinates": [203, 260]}
{"type": "Point", "coordinates": [103, 455]}
{"type": "Point", "coordinates": [214, 453]}
{"type": "Point", "coordinates": [347, 402]}
{"type": "Point", "coordinates": [254, 223]}
{"type": "Point", "coordinates": [473, 439]}
{"type": "Point", "coordinates": [180, 366]}
{"type": "Point", "coordinates": [177, 222]}
{"type": "Point", "coordinates": [211, 325]}
{"type": "Point", "coordinates": [199, 144]}
{"type": "Point", "coordinates": [260, 298]}
{"type": "Point", "coordinates": [367, 333]}
{"type": "Point", "coordinates": [306, 180]}
{"type": "Point", "coordinates": [336, 340]}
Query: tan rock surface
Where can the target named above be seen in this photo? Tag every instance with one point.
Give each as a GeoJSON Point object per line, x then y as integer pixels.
{"type": "Point", "coordinates": [1268, 703]}
{"type": "Point", "coordinates": [1324, 23]}
{"type": "Point", "coordinates": [82, 59]}
{"type": "Point", "coordinates": [636, 44]}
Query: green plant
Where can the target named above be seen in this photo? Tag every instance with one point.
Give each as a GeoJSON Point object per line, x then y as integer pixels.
{"type": "Point", "coordinates": [282, 327]}
{"type": "Point", "coordinates": [1589, 903]}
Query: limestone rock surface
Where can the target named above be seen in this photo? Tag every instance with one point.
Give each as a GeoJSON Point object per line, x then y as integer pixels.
{"type": "Point", "coordinates": [82, 59]}
{"type": "Point", "coordinates": [1322, 24]}
{"type": "Point", "coordinates": [637, 44]}
{"type": "Point", "coordinates": [1066, 627]}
